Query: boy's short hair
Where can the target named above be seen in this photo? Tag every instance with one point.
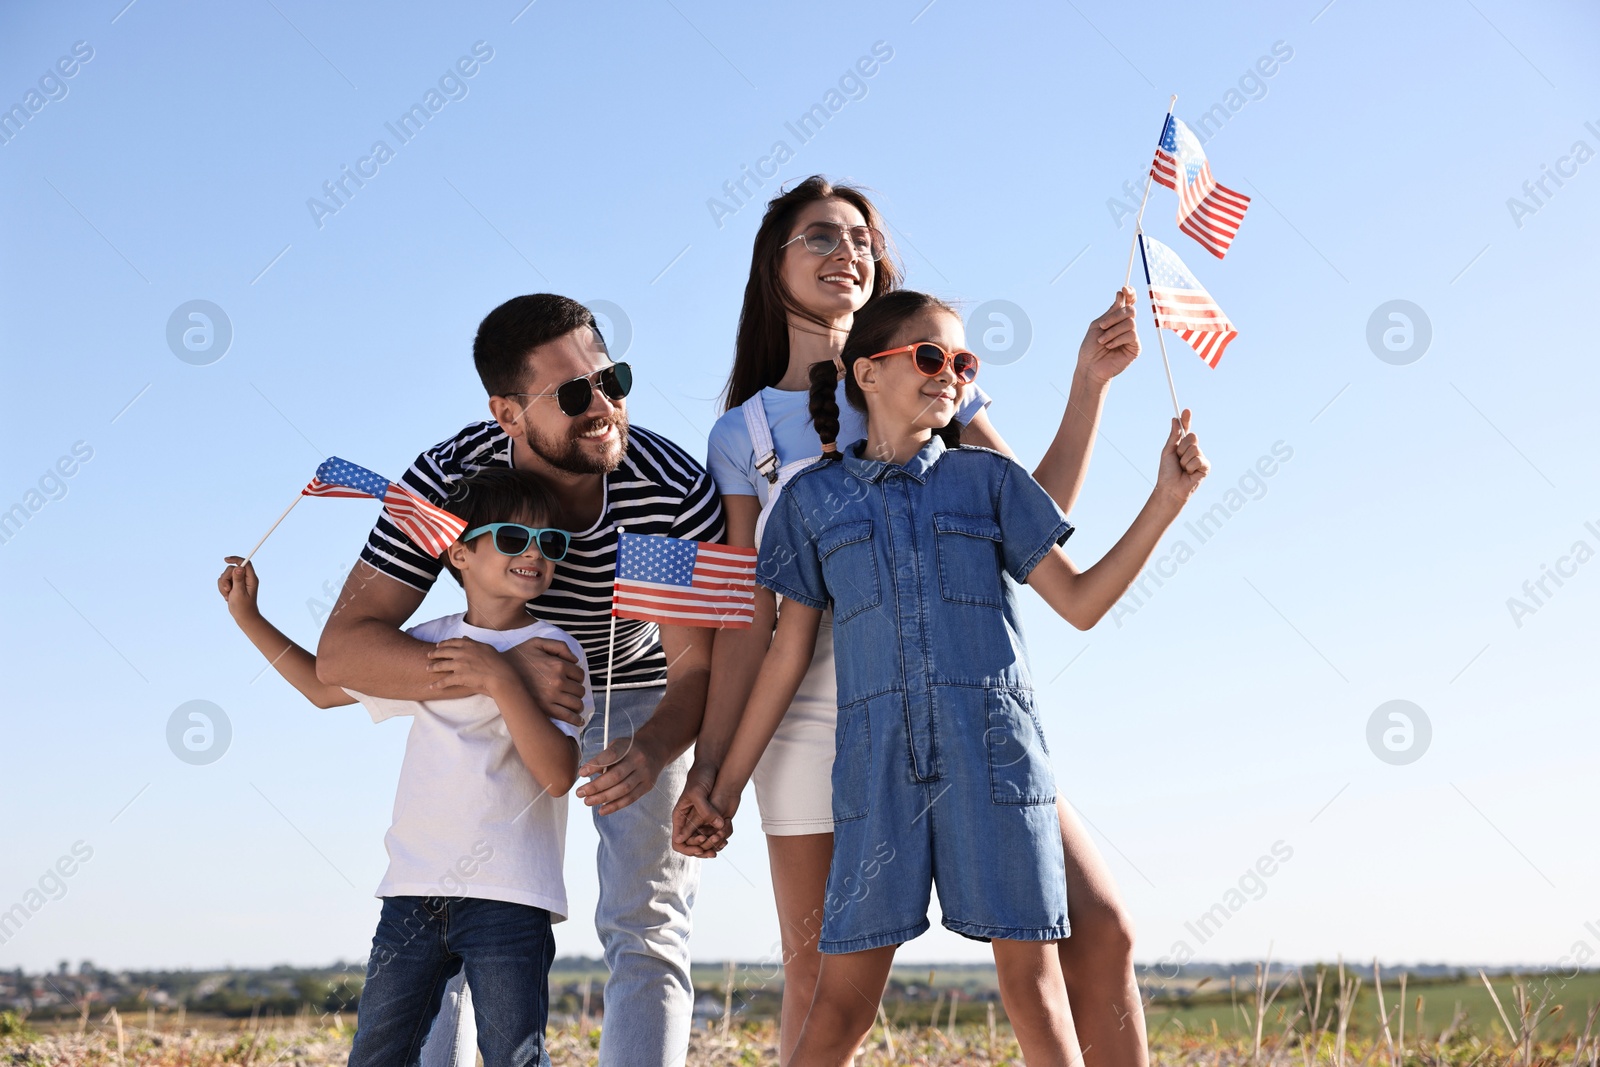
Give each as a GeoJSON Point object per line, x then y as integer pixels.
{"type": "Point", "coordinates": [499, 495]}
{"type": "Point", "coordinates": [515, 328]}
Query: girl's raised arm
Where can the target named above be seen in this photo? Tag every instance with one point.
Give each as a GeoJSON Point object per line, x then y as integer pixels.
{"type": "Point", "coordinates": [1084, 597]}
{"type": "Point", "coordinates": [1109, 346]}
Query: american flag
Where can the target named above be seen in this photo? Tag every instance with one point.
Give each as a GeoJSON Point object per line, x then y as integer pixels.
{"type": "Point", "coordinates": [1182, 304]}
{"type": "Point", "coordinates": [431, 527]}
{"type": "Point", "coordinates": [684, 583]}
{"type": "Point", "coordinates": [1208, 212]}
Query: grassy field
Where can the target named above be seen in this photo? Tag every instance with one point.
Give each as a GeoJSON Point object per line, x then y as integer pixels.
{"type": "Point", "coordinates": [283, 1045]}
{"type": "Point", "coordinates": [1224, 1008]}
{"type": "Point", "coordinates": [1430, 1006]}
{"type": "Point", "coordinates": [1332, 1019]}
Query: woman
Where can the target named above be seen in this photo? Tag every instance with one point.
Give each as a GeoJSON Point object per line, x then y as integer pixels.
{"type": "Point", "coordinates": [819, 257]}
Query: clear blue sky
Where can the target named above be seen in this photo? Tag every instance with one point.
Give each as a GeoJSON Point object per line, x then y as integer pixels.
{"type": "Point", "coordinates": [1226, 713]}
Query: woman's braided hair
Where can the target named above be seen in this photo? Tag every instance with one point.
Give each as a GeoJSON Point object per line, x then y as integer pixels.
{"type": "Point", "coordinates": [874, 326]}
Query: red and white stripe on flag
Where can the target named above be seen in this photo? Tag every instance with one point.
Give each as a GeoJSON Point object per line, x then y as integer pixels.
{"type": "Point", "coordinates": [1182, 305]}
{"type": "Point", "coordinates": [428, 525]}
{"type": "Point", "coordinates": [1214, 220]}
{"type": "Point", "coordinates": [318, 487]}
{"type": "Point", "coordinates": [1208, 212]}
{"type": "Point", "coordinates": [431, 527]}
{"type": "Point", "coordinates": [1207, 343]}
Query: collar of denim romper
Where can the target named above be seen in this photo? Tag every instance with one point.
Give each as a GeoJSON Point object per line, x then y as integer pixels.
{"type": "Point", "coordinates": [873, 470]}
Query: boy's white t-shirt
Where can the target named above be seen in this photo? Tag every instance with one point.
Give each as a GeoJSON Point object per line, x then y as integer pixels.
{"type": "Point", "coordinates": [469, 820]}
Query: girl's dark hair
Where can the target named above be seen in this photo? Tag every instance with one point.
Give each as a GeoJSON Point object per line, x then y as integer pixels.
{"type": "Point", "coordinates": [500, 494]}
{"type": "Point", "coordinates": [761, 353]}
{"type": "Point", "coordinates": [874, 328]}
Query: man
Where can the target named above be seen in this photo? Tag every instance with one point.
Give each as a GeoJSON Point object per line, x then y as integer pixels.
{"type": "Point", "coordinates": [559, 411]}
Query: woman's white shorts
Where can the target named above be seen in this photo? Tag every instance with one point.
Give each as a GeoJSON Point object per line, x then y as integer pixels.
{"type": "Point", "coordinates": [794, 780]}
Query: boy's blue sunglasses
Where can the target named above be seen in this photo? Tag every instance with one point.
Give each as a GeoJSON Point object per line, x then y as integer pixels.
{"type": "Point", "coordinates": [513, 539]}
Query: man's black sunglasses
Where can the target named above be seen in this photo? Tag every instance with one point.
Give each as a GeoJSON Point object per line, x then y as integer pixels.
{"type": "Point", "coordinates": [575, 396]}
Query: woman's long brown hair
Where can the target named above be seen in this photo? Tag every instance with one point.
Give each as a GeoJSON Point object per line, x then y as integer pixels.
{"type": "Point", "coordinates": [761, 352]}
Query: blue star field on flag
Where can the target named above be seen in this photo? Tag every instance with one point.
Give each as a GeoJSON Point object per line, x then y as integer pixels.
{"type": "Point", "coordinates": [336, 471]}
{"type": "Point", "coordinates": [668, 560]}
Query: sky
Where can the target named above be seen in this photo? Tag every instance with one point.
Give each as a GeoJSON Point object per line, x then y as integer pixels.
{"type": "Point", "coordinates": [1400, 423]}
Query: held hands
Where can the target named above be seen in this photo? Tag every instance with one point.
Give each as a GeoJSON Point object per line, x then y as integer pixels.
{"type": "Point", "coordinates": [701, 827]}
{"type": "Point", "coordinates": [1183, 465]}
{"type": "Point", "coordinates": [461, 662]}
{"type": "Point", "coordinates": [238, 584]}
{"type": "Point", "coordinates": [1112, 343]}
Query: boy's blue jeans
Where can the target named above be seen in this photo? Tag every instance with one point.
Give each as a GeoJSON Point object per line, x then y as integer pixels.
{"type": "Point", "coordinates": [421, 943]}
{"type": "Point", "coordinates": [646, 894]}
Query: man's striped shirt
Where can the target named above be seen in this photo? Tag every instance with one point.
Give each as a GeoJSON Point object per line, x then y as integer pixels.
{"type": "Point", "coordinates": [657, 489]}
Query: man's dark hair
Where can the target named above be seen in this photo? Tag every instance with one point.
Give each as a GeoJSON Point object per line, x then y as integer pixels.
{"type": "Point", "coordinates": [509, 332]}
{"type": "Point", "coordinates": [499, 495]}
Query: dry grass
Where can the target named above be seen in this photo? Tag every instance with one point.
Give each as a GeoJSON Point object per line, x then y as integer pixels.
{"type": "Point", "coordinates": [293, 1046]}
{"type": "Point", "coordinates": [1311, 1026]}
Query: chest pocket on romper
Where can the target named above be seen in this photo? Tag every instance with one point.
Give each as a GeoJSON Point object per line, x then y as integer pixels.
{"type": "Point", "coordinates": [969, 558]}
{"type": "Point", "coordinates": [850, 568]}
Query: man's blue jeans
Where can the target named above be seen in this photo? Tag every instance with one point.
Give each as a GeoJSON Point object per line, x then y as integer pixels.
{"type": "Point", "coordinates": [646, 894]}
{"type": "Point", "coordinates": [421, 943]}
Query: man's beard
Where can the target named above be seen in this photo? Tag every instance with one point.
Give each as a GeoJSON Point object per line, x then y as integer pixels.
{"type": "Point", "coordinates": [567, 453]}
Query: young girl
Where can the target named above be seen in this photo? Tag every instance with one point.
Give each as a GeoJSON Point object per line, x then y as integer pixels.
{"type": "Point", "coordinates": [941, 776]}
{"type": "Point", "coordinates": [819, 257]}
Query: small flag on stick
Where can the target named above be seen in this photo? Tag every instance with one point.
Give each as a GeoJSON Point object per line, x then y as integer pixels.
{"type": "Point", "coordinates": [678, 582]}
{"type": "Point", "coordinates": [1208, 212]}
{"type": "Point", "coordinates": [1181, 304]}
{"type": "Point", "coordinates": [430, 526]}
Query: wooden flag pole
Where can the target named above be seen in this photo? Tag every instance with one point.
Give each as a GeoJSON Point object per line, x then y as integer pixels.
{"type": "Point", "coordinates": [1161, 339]}
{"type": "Point", "coordinates": [611, 650]}
{"type": "Point", "coordinates": [1148, 178]}
{"type": "Point", "coordinates": [274, 526]}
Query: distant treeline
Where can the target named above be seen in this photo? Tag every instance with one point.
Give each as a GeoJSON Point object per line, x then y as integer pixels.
{"type": "Point", "coordinates": [285, 990]}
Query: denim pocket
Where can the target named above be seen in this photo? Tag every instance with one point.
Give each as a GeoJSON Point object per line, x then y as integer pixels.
{"type": "Point", "coordinates": [1019, 762]}
{"type": "Point", "coordinates": [852, 763]}
{"type": "Point", "coordinates": [849, 568]}
{"type": "Point", "coordinates": [969, 558]}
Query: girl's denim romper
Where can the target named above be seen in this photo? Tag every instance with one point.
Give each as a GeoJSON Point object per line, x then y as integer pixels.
{"type": "Point", "coordinates": [941, 775]}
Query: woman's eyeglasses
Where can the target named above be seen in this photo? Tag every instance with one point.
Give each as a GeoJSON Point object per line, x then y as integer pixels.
{"type": "Point", "coordinates": [822, 238]}
{"type": "Point", "coordinates": [931, 360]}
{"type": "Point", "coordinates": [575, 396]}
{"type": "Point", "coordinates": [513, 539]}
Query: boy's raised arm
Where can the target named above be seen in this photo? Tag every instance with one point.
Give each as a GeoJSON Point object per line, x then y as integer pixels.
{"type": "Point", "coordinates": [238, 585]}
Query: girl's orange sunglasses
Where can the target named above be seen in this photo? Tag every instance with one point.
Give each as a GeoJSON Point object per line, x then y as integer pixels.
{"type": "Point", "coordinates": [931, 360]}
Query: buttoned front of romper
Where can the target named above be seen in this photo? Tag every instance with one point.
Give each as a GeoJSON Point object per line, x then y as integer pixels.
{"type": "Point", "coordinates": [941, 774]}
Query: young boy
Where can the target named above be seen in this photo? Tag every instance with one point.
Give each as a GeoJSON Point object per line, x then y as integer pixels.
{"type": "Point", "coordinates": [475, 849]}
